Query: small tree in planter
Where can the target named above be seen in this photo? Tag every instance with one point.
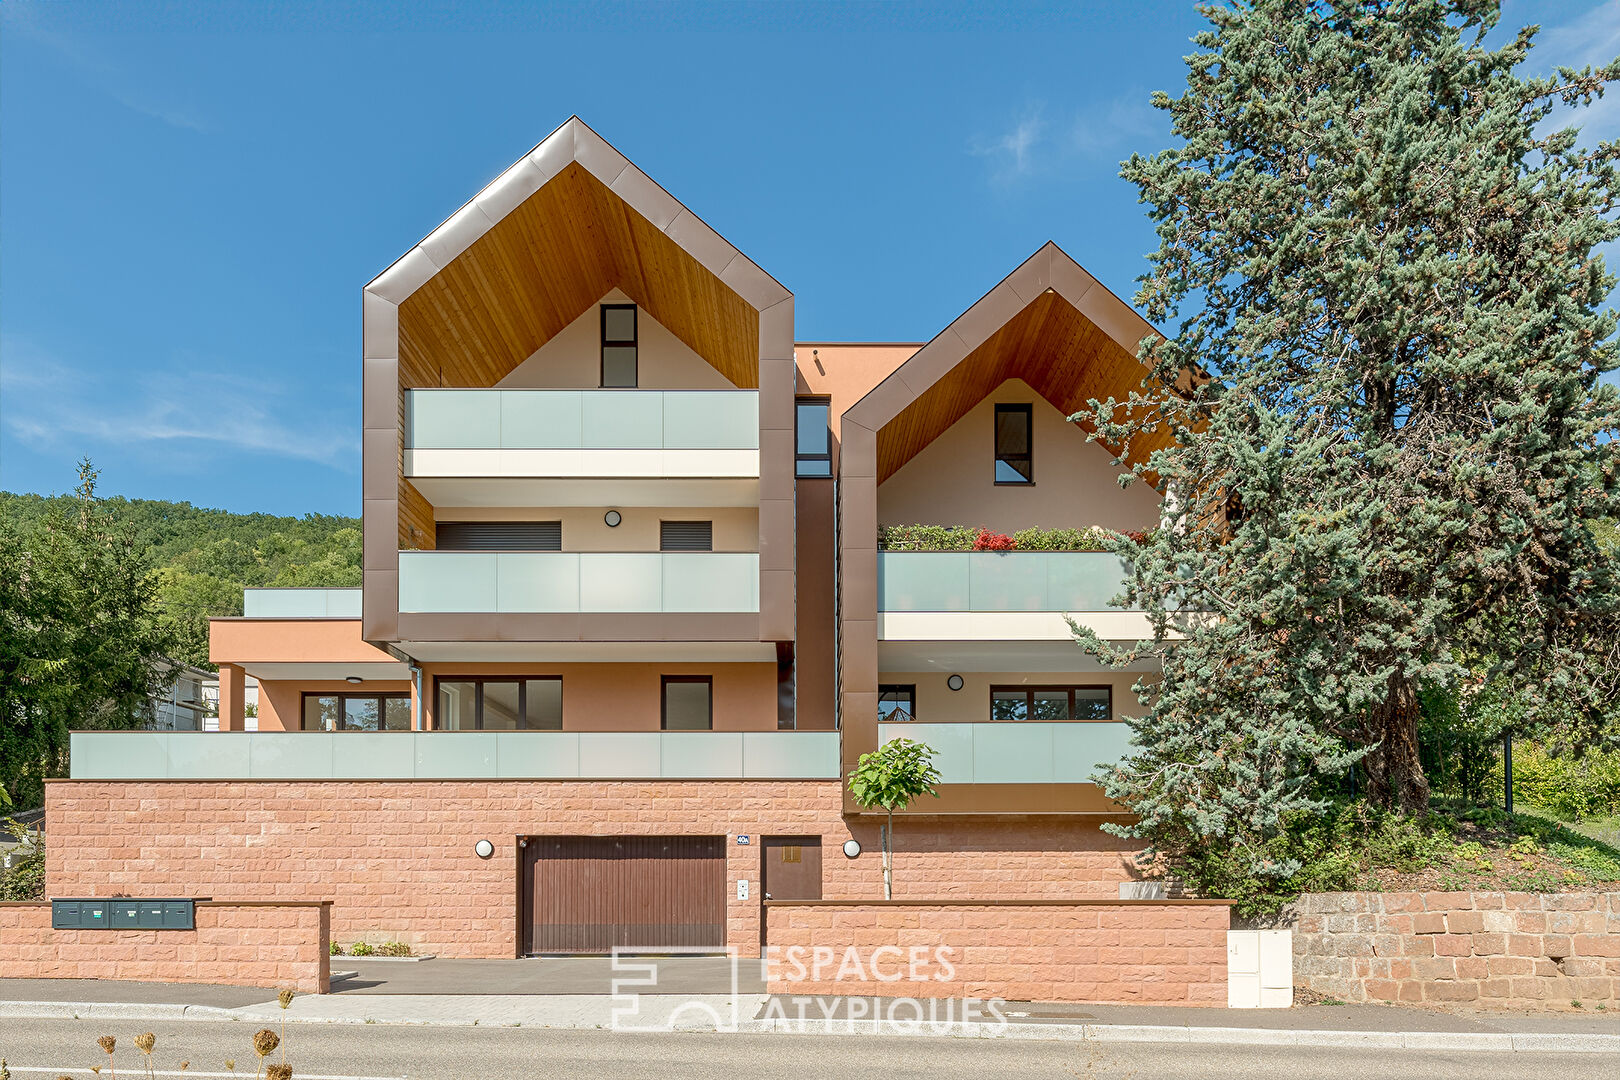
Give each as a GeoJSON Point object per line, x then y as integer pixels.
{"type": "Point", "coordinates": [890, 777]}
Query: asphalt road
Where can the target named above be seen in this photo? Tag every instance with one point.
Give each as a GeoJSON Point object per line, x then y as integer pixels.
{"type": "Point", "coordinates": [49, 1048]}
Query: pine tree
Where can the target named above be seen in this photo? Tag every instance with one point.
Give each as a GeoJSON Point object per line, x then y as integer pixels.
{"type": "Point", "coordinates": [1392, 442]}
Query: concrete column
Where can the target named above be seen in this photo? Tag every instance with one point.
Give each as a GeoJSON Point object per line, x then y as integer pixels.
{"type": "Point", "coordinates": [232, 686]}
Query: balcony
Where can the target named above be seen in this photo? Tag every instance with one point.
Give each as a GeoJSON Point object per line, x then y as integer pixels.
{"type": "Point", "coordinates": [301, 603]}
{"type": "Point", "coordinates": [452, 755]}
{"type": "Point", "coordinates": [1000, 596]}
{"type": "Point", "coordinates": [555, 582]}
{"type": "Point", "coordinates": [1017, 753]}
{"type": "Point", "coordinates": [582, 433]}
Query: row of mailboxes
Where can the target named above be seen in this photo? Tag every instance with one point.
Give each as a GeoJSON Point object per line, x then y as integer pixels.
{"type": "Point", "coordinates": [123, 914]}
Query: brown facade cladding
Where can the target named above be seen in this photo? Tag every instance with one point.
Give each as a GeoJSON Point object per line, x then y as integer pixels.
{"type": "Point", "coordinates": [575, 202]}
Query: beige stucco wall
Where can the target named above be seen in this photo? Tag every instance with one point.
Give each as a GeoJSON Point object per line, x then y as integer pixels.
{"type": "Point", "coordinates": [952, 481]}
{"type": "Point", "coordinates": [736, 528]}
{"type": "Point", "coordinates": [573, 358]}
{"type": "Point", "coordinates": [939, 704]}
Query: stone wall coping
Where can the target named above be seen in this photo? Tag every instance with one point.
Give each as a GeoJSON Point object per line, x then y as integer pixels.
{"type": "Point", "coordinates": [200, 901]}
{"type": "Point", "coordinates": [1036, 902]}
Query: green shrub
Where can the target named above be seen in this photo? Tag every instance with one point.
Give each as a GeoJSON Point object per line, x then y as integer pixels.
{"type": "Point", "coordinates": [393, 948]}
{"type": "Point", "coordinates": [360, 948]}
{"type": "Point", "coordinates": [334, 949]}
{"type": "Point", "coordinates": [961, 538]}
{"type": "Point", "coordinates": [25, 880]}
{"type": "Point", "coordinates": [1570, 788]}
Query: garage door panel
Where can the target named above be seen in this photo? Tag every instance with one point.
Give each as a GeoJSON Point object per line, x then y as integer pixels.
{"type": "Point", "coordinates": [594, 894]}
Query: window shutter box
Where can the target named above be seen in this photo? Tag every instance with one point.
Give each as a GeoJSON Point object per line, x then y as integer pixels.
{"type": "Point", "coordinates": [686, 536]}
{"type": "Point", "coordinates": [498, 536]}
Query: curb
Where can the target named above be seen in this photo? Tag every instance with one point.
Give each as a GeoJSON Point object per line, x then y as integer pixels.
{"type": "Point", "coordinates": [1456, 1041]}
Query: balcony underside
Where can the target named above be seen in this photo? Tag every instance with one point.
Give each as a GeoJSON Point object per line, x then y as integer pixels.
{"type": "Point", "coordinates": [484, 490]}
{"type": "Point", "coordinates": [999, 656]}
{"type": "Point", "coordinates": [577, 652]}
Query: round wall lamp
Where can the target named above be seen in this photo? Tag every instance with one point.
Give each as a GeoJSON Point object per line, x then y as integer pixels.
{"type": "Point", "coordinates": [484, 849]}
{"type": "Point", "coordinates": [612, 517]}
{"type": "Point", "coordinates": [954, 682]}
{"type": "Point", "coordinates": [852, 848]}
{"type": "Point", "coordinates": [353, 679]}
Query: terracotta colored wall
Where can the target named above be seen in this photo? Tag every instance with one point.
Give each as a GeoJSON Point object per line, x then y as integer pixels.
{"type": "Point", "coordinates": [273, 945]}
{"type": "Point", "coordinates": [939, 704]}
{"type": "Point", "coordinates": [290, 641]}
{"type": "Point", "coordinates": [573, 357]}
{"type": "Point", "coordinates": [1520, 950]}
{"type": "Point", "coordinates": [281, 699]}
{"type": "Point", "coordinates": [952, 481]}
{"type": "Point", "coordinates": [1157, 952]}
{"type": "Point", "coordinates": [628, 697]}
{"type": "Point", "coordinates": [390, 853]}
{"type": "Point", "coordinates": [736, 528]}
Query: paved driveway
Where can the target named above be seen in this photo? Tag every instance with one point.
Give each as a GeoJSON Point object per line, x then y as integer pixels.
{"type": "Point", "coordinates": [548, 975]}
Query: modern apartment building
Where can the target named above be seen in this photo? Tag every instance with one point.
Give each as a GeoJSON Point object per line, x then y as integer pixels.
{"type": "Point", "coordinates": [627, 620]}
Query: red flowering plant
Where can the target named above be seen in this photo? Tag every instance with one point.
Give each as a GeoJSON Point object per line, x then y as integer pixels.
{"type": "Point", "coordinates": [993, 541]}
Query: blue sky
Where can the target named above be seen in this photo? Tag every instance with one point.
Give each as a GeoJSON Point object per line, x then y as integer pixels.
{"type": "Point", "coordinates": [192, 195]}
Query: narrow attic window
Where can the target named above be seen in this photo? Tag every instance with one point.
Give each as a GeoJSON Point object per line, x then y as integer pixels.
{"type": "Point", "coordinates": [618, 345]}
{"type": "Point", "coordinates": [1015, 459]}
{"type": "Point", "coordinates": [813, 439]}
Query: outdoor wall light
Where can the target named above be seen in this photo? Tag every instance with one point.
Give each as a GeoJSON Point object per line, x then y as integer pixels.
{"type": "Point", "coordinates": [612, 517]}
{"type": "Point", "coordinates": [954, 682]}
{"type": "Point", "coordinates": [355, 679]}
{"type": "Point", "coordinates": [484, 849]}
{"type": "Point", "coordinates": [852, 848]}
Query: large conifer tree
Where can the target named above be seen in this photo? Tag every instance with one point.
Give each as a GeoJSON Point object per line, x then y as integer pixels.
{"type": "Point", "coordinates": [1395, 448]}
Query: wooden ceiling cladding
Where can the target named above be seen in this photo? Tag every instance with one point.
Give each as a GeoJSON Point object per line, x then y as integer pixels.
{"type": "Point", "coordinates": [1049, 344]}
{"type": "Point", "coordinates": [544, 265]}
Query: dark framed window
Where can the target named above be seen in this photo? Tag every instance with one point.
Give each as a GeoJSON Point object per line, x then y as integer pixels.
{"type": "Point", "coordinates": [897, 702]}
{"type": "Point", "coordinates": [688, 703]}
{"type": "Point", "coordinates": [812, 440]}
{"type": "Point", "coordinates": [356, 712]}
{"type": "Point", "coordinates": [1015, 444]}
{"type": "Point", "coordinates": [533, 703]}
{"type": "Point", "coordinates": [1051, 704]}
{"type": "Point", "coordinates": [498, 536]}
{"type": "Point", "coordinates": [686, 536]}
{"type": "Point", "coordinates": [618, 345]}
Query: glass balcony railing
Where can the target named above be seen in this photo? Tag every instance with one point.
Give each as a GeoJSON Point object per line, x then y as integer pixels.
{"type": "Point", "coordinates": [1009, 753]}
{"type": "Point", "coordinates": [998, 581]}
{"type": "Point", "coordinates": [582, 420]}
{"type": "Point", "coordinates": [301, 603]}
{"type": "Point", "coordinates": [566, 581]}
{"type": "Point", "coordinates": [453, 755]}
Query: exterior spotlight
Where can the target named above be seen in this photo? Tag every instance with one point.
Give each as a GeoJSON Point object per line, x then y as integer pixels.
{"type": "Point", "coordinates": [954, 682]}
{"type": "Point", "coordinates": [612, 517]}
{"type": "Point", "coordinates": [355, 679]}
{"type": "Point", "coordinates": [484, 849]}
{"type": "Point", "coordinates": [852, 848]}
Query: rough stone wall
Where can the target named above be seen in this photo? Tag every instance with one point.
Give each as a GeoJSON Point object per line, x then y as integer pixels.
{"type": "Point", "coordinates": [1487, 947]}
{"type": "Point", "coordinates": [272, 945]}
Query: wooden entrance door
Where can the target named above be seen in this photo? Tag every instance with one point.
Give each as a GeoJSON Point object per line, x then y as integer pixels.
{"type": "Point", "coordinates": [591, 894]}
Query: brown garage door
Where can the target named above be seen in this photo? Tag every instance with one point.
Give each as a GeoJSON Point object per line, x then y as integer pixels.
{"type": "Point", "coordinates": [591, 894]}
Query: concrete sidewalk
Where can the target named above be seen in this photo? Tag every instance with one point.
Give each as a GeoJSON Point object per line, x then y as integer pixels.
{"type": "Point", "coordinates": [1328, 1026]}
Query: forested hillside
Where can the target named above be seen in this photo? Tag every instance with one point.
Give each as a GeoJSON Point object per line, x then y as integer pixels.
{"type": "Point", "coordinates": [203, 558]}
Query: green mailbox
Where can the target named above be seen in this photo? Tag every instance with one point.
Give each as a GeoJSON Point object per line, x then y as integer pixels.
{"type": "Point", "coordinates": [79, 915]}
{"type": "Point", "coordinates": [124, 913]}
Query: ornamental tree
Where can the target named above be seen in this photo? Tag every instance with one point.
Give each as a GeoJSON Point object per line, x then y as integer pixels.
{"type": "Point", "coordinates": [1391, 441]}
{"type": "Point", "coordinates": [889, 778]}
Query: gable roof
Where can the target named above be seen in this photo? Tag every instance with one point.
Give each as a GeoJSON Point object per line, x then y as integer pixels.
{"type": "Point", "coordinates": [1049, 322]}
{"type": "Point", "coordinates": [568, 222]}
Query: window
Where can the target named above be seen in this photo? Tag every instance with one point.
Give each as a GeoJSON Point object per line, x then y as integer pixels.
{"type": "Point", "coordinates": [533, 704]}
{"type": "Point", "coordinates": [1015, 459]}
{"type": "Point", "coordinates": [813, 437]}
{"type": "Point", "coordinates": [1050, 704]}
{"type": "Point", "coordinates": [618, 345]}
{"type": "Point", "coordinates": [897, 703]}
{"type": "Point", "coordinates": [686, 536]}
{"type": "Point", "coordinates": [688, 703]}
{"type": "Point", "coordinates": [498, 536]}
{"type": "Point", "coordinates": [357, 712]}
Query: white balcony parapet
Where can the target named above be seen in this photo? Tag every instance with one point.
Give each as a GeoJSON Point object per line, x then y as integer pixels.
{"type": "Point", "coordinates": [582, 433]}
{"type": "Point", "coordinates": [301, 603]}
{"type": "Point", "coordinates": [1017, 753]}
{"type": "Point", "coordinates": [453, 755]}
{"type": "Point", "coordinates": [566, 582]}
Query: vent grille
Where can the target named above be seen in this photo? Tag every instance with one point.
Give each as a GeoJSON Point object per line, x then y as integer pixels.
{"type": "Point", "coordinates": [686, 536]}
{"type": "Point", "coordinates": [498, 536]}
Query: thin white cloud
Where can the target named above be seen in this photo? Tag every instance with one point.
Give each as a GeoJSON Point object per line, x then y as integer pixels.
{"type": "Point", "coordinates": [51, 405]}
{"type": "Point", "coordinates": [1103, 131]}
{"type": "Point", "coordinates": [1592, 39]}
{"type": "Point", "coordinates": [1013, 151]}
{"type": "Point", "coordinates": [112, 79]}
